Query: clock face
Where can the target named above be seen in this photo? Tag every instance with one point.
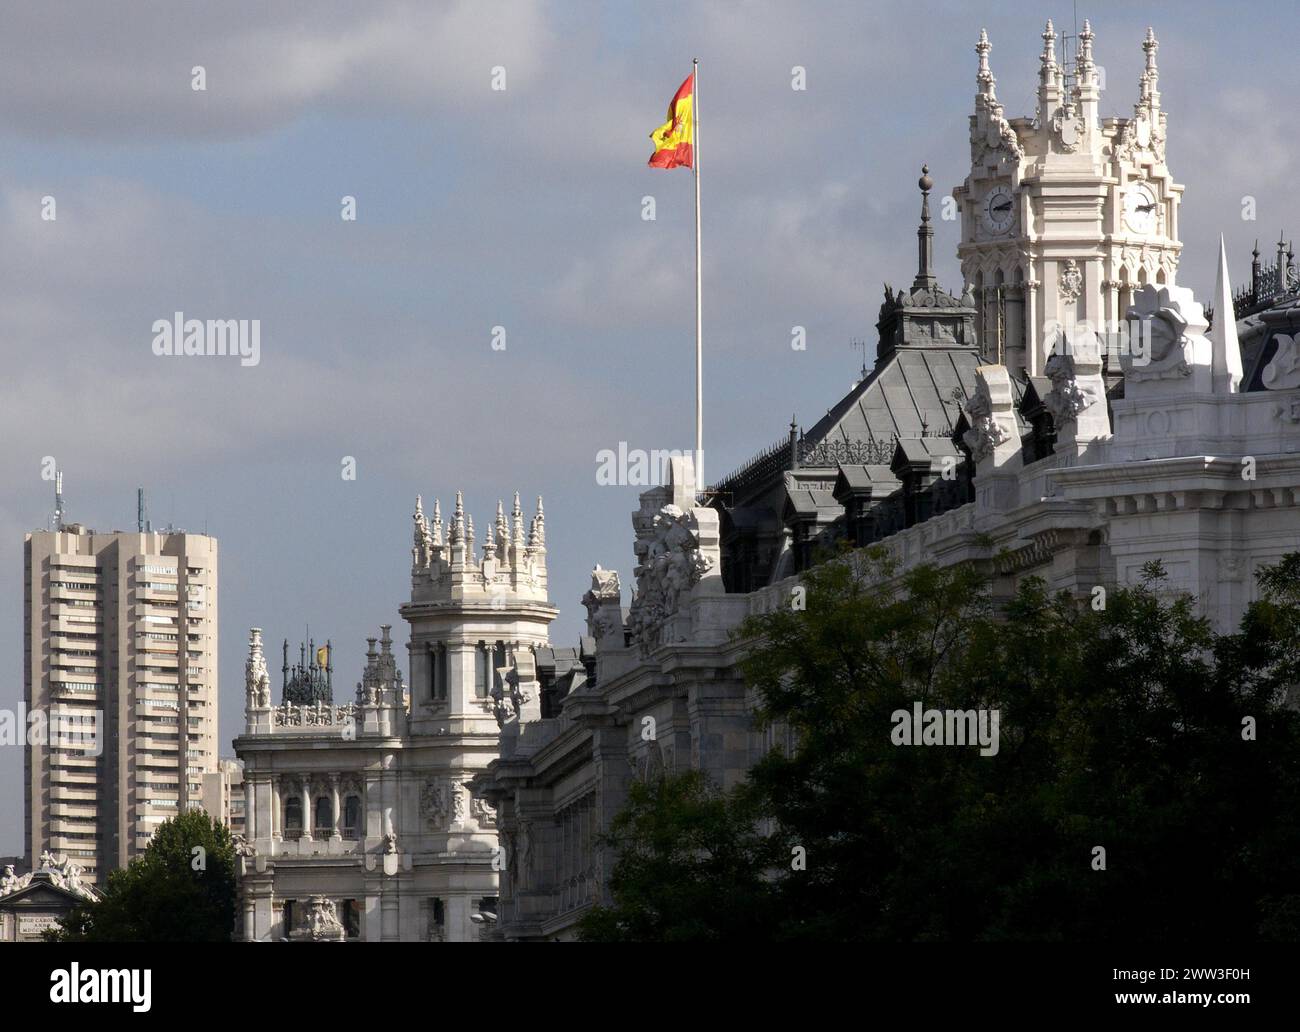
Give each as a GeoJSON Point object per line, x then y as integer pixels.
{"type": "Point", "coordinates": [999, 211]}
{"type": "Point", "coordinates": [1140, 209]}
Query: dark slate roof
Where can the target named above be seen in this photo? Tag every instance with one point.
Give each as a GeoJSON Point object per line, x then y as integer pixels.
{"type": "Point", "coordinates": [912, 392]}
{"type": "Point", "coordinates": [806, 501]}
{"type": "Point", "coordinates": [866, 481]}
{"type": "Point", "coordinates": [922, 450]}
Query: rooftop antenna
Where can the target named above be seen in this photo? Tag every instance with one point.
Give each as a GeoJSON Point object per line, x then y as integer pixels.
{"type": "Point", "coordinates": [142, 525]}
{"type": "Point", "coordinates": [58, 499]}
{"type": "Point", "coordinates": [862, 346]}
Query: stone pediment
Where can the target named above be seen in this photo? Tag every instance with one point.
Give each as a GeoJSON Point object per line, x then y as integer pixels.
{"type": "Point", "coordinates": [40, 895]}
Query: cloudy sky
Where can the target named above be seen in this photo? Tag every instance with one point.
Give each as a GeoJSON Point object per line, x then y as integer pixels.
{"type": "Point", "coordinates": [477, 208]}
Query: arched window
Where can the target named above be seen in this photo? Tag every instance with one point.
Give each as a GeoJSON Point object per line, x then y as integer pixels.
{"type": "Point", "coordinates": [293, 817]}
{"type": "Point", "coordinates": [324, 823]}
{"type": "Point", "coordinates": [352, 817]}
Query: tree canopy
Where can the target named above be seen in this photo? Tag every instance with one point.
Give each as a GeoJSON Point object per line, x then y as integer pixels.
{"type": "Point", "coordinates": [1144, 788]}
{"type": "Point", "coordinates": [180, 889]}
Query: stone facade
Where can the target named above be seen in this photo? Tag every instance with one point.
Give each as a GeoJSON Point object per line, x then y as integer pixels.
{"type": "Point", "coordinates": [360, 823]}
{"type": "Point", "coordinates": [1066, 214]}
{"type": "Point", "coordinates": [33, 903]}
{"type": "Point", "coordinates": [1053, 467]}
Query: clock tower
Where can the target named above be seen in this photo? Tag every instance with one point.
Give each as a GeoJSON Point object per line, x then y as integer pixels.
{"type": "Point", "coordinates": [1066, 214]}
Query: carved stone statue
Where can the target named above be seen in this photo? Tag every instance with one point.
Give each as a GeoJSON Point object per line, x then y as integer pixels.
{"type": "Point", "coordinates": [672, 562]}
{"type": "Point", "coordinates": [257, 682]}
{"type": "Point", "coordinates": [321, 923]}
{"type": "Point", "coordinates": [985, 433]}
{"type": "Point", "coordinates": [1173, 324]}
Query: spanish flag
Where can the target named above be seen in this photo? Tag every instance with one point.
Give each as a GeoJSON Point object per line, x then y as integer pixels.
{"type": "Point", "coordinates": [675, 140]}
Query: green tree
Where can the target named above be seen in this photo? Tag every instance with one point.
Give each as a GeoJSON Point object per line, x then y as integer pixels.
{"type": "Point", "coordinates": [1131, 729]}
{"type": "Point", "coordinates": [181, 889]}
{"type": "Point", "coordinates": [689, 867]}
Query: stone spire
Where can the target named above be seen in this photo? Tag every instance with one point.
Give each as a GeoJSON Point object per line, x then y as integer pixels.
{"type": "Point", "coordinates": [1088, 89]}
{"type": "Point", "coordinates": [984, 81]}
{"type": "Point", "coordinates": [1049, 94]}
{"type": "Point", "coordinates": [1223, 334]}
{"type": "Point", "coordinates": [925, 278]}
{"type": "Point", "coordinates": [469, 538]}
{"type": "Point", "coordinates": [458, 520]}
{"type": "Point", "coordinates": [1150, 74]}
{"type": "Point", "coordinates": [517, 523]}
{"type": "Point", "coordinates": [537, 539]}
{"type": "Point", "coordinates": [422, 551]}
{"type": "Point", "coordinates": [502, 530]}
{"type": "Point", "coordinates": [437, 523]}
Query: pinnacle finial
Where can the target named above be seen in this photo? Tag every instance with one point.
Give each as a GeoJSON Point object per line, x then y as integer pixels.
{"type": "Point", "coordinates": [1048, 57]}
{"type": "Point", "coordinates": [925, 278]}
{"type": "Point", "coordinates": [984, 77]}
{"type": "Point", "coordinates": [419, 505]}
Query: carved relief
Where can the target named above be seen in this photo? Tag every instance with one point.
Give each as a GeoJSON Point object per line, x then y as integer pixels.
{"type": "Point", "coordinates": [1283, 372]}
{"type": "Point", "coordinates": [257, 682]}
{"type": "Point", "coordinates": [671, 563]}
{"type": "Point", "coordinates": [485, 816]}
{"type": "Point", "coordinates": [1071, 285]}
{"type": "Point", "coordinates": [1166, 325]}
{"type": "Point", "coordinates": [985, 433]}
{"type": "Point", "coordinates": [1068, 397]}
{"type": "Point", "coordinates": [436, 803]}
{"type": "Point", "coordinates": [321, 923]}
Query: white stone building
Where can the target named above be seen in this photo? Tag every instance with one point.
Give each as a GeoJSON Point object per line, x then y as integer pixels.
{"type": "Point", "coordinates": [359, 821]}
{"type": "Point", "coordinates": [1000, 427]}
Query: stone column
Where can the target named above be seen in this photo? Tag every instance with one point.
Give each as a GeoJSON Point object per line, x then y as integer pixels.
{"type": "Point", "coordinates": [335, 834]}
{"type": "Point", "coordinates": [250, 811]}
{"type": "Point", "coordinates": [277, 818]}
{"type": "Point", "coordinates": [307, 815]}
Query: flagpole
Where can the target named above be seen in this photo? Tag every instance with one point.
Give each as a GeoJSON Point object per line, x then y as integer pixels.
{"type": "Point", "coordinates": [699, 324]}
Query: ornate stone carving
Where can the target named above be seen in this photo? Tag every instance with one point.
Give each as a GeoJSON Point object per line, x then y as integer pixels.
{"type": "Point", "coordinates": [482, 811]}
{"type": "Point", "coordinates": [1068, 397]}
{"type": "Point", "coordinates": [257, 682]}
{"type": "Point", "coordinates": [1289, 410]}
{"type": "Point", "coordinates": [63, 874]}
{"type": "Point", "coordinates": [1069, 129]}
{"type": "Point", "coordinates": [317, 714]}
{"type": "Point", "coordinates": [985, 433]}
{"type": "Point", "coordinates": [1283, 372]}
{"type": "Point", "coordinates": [1165, 324]}
{"type": "Point", "coordinates": [320, 924]}
{"type": "Point", "coordinates": [603, 603]}
{"type": "Point", "coordinates": [436, 804]}
{"type": "Point", "coordinates": [242, 846]}
{"type": "Point", "coordinates": [1071, 284]}
{"type": "Point", "coordinates": [422, 553]}
{"type": "Point", "coordinates": [671, 562]}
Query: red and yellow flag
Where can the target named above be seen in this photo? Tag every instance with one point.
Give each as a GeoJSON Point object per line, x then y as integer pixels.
{"type": "Point", "coordinates": [675, 140]}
